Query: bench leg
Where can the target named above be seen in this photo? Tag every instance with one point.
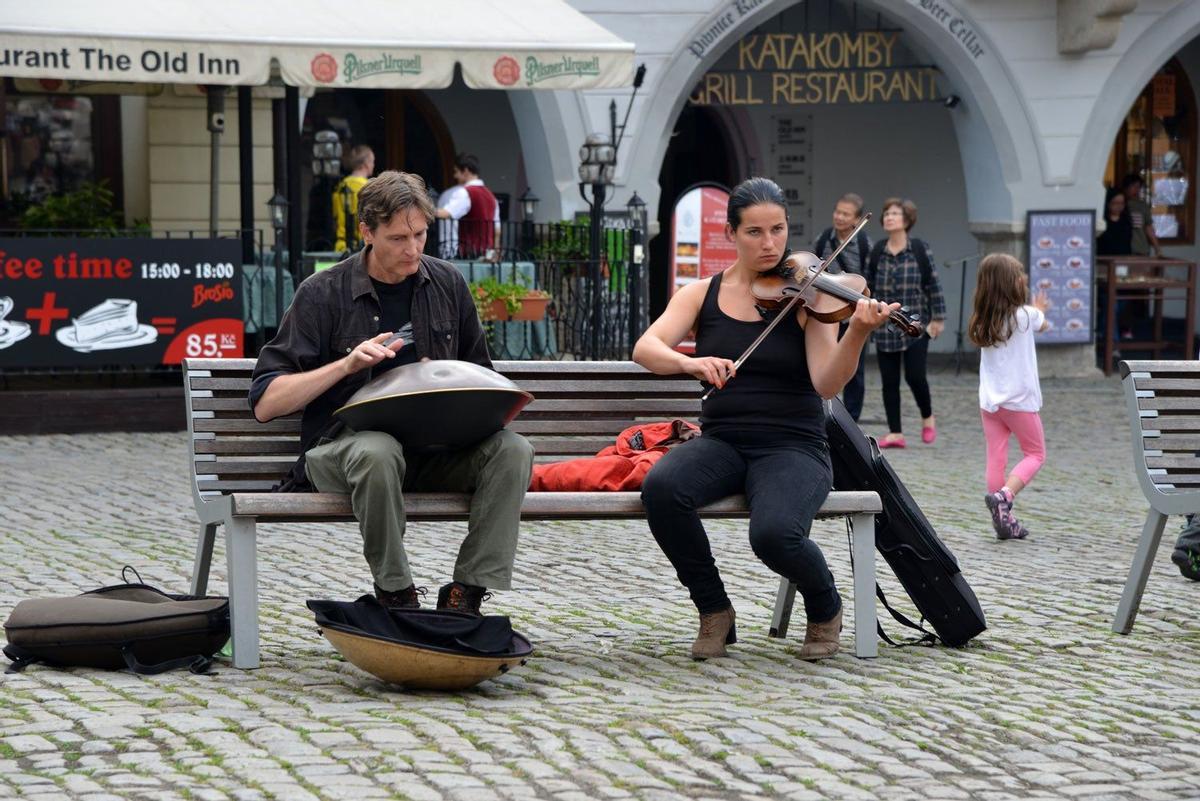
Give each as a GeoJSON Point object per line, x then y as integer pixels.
{"type": "Point", "coordinates": [866, 642]}
{"type": "Point", "coordinates": [241, 555]}
{"type": "Point", "coordinates": [1139, 571]}
{"type": "Point", "coordinates": [783, 608]}
{"type": "Point", "coordinates": [204, 551]}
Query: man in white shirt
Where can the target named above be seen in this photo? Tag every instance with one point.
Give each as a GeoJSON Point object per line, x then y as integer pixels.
{"type": "Point", "coordinates": [473, 202]}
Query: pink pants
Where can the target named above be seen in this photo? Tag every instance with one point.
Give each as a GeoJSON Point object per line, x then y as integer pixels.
{"type": "Point", "coordinates": [1027, 426]}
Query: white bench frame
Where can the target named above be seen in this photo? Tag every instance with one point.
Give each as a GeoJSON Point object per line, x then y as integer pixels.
{"type": "Point", "coordinates": [239, 505]}
{"type": "Point", "coordinates": [1163, 400]}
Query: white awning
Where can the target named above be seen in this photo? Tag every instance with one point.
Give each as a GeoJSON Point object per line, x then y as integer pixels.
{"type": "Point", "coordinates": [389, 44]}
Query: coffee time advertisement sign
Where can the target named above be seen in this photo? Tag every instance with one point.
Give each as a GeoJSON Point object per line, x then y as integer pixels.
{"type": "Point", "coordinates": [138, 302]}
{"type": "Point", "coordinates": [1061, 265]}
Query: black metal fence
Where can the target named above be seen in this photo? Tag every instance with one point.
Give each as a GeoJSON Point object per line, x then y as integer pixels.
{"type": "Point", "coordinates": [596, 309]}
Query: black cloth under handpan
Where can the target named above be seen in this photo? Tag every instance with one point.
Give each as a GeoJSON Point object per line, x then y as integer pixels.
{"type": "Point", "coordinates": [451, 632]}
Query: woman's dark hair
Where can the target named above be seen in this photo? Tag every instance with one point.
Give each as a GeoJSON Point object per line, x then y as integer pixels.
{"type": "Point", "coordinates": [753, 192]}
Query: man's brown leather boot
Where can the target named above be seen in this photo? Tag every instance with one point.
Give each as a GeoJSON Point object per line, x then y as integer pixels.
{"type": "Point", "coordinates": [458, 597]}
{"type": "Point", "coordinates": [407, 598]}
{"type": "Point", "coordinates": [821, 639]}
{"type": "Point", "coordinates": [717, 630]}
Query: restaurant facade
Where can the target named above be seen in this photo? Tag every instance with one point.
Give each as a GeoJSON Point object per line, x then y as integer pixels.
{"type": "Point", "coordinates": [980, 111]}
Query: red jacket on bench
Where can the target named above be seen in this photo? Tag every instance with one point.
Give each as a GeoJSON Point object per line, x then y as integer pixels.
{"type": "Point", "coordinates": [618, 468]}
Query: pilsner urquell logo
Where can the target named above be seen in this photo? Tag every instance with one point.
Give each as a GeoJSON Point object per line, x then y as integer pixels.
{"type": "Point", "coordinates": [538, 71]}
{"type": "Point", "coordinates": [355, 68]}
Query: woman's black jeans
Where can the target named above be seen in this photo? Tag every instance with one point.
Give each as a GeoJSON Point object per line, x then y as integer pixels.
{"type": "Point", "coordinates": [785, 486]}
{"type": "Point", "coordinates": [914, 375]}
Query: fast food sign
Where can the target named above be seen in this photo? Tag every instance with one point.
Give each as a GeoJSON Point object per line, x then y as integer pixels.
{"type": "Point", "coordinates": [103, 302]}
{"type": "Point", "coordinates": [1061, 261]}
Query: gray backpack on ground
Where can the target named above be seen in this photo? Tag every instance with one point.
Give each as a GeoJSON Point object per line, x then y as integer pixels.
{"type": "Point", "coordinates": [128, 625]}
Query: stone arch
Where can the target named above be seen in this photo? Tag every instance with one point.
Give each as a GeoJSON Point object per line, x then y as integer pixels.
{"type": "Point", "coordinates": [994, 146]}
{"type": "Point", "coordinates": [1156, 45]}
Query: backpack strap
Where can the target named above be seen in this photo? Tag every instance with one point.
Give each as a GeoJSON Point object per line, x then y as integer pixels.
{"type": "Point", "coordinates": [873, 263]}
{"type": "Point", "coordinates": [196, 664]}
{"type": "Point", "coordinates": [21, 658]}
{"type": "Point", "coordinates": [863, 251]}
{"type": "Point", "coordinates": [823, 240]}
{"type": "Point", "coordinates": [927, 637]}
{"type": "Point", "coordinates": [922, 261]}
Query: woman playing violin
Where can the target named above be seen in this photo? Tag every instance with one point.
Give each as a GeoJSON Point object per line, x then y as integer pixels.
{"type": "Point", "coordinates": [763, 429]}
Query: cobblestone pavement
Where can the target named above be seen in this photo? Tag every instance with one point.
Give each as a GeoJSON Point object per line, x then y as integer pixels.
{"type": "Point", "coordinates": [1047, 703]}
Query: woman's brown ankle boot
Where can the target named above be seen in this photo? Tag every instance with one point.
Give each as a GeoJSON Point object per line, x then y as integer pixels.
{"type": "Point", "coordinates": [716, 631]}
{"type": "Point", "coordinates": [821, 639]}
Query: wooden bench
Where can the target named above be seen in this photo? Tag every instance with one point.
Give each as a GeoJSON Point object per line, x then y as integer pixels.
{"type": "Point", "coordinates": [579, 408]}
{"type": "Point", "coordinates": [1163, 399]}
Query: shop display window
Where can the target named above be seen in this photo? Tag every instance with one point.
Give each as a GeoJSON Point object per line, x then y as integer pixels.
{"type": "Point", "coordinates": [1158, 142]}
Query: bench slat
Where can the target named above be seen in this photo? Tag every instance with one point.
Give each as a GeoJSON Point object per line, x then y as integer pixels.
{"type": "Point", "coordinates": [230, 467]}
{"type": "Point", "coordinates": [284, 425]}
{"type": "Point", "coordinates": [1155, 382]}
{"type": "Point", "coordinates": [1191, 462]}
{"type": "Point", "coordinates": [236, 404]}
{"type": "Point", "coordinates": [202, 382]}
{"type": "Point", "coordinates": [242, 485]}
{"type": "Point", "coordinates": [621, 407]}
{"type": "Point", "coordinates": [1172, 442]}
{"type": "Point", "coordinates": [1188, 403]}
{"type": "Point", "coordinates": [1171, 422]}
{"type": "Point", "coordinates": [541, 505]}
{"type": "Point", "coordinates": [592, 387]}
{"type": "Point", "coordinates": [1176, 478]}
{"type": "Point", "coordinates": [247, 446]}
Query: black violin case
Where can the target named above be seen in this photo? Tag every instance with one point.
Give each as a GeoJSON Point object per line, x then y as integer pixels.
{"type": "Point", "coordinates": [925, 566]}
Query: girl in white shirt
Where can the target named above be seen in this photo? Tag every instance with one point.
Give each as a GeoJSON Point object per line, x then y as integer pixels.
{"type": "Point", "coordinates": [1002, 325]}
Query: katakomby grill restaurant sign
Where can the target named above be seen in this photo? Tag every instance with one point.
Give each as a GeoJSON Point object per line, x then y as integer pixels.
{"type": "Point", "coordinates": [184, 62]}
{"type": "Point", "coordinates": [92, 302]}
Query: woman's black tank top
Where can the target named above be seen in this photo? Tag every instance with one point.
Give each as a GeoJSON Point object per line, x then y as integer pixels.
{"type": "Point", "coordinates": [772, 397]}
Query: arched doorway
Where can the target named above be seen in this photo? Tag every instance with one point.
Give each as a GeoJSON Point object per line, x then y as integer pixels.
{"type": "Point", "coordinates": [402, 127]}
{"type": "Point", "coordinates": [700, 151]}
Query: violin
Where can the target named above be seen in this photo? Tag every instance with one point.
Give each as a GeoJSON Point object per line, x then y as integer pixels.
{"type": "Point", "coordinates": [825, 297]}
{"type": "Point", "coordinates": [800, 278]}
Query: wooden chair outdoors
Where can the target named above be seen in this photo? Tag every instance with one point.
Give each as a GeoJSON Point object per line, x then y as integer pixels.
{"type": "Point", "coordinates": [1163, 399]}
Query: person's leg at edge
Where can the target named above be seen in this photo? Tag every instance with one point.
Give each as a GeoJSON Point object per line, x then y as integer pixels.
{"type": "Point", "coordinates": [916, 375]}
{"type": "Point", "coordinates": [785, 487]}
{"type": "Point", "coordinates": [370, 467]}
{"type": "Point", "coordinates": [855, 389]}
{"type": "Point", "coordinates": [691, 475]}
{"type": "Point", "coordinates": [889, 375]}
{"type": "Point", "coordinates": [496, 473]}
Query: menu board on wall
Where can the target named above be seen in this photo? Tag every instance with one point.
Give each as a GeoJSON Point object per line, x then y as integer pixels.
{"type": "Point", "coordinates": [67, 302]}
{"type": "Point", "coordinates": [791, 166]}
{"type": "Point", "coordinates": [1061, 264]}
{"type": "Point", "coordinates": [699, 247]}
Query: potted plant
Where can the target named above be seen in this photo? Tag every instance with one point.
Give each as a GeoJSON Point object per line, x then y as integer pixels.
{"type": "Point", "coordinates": [513, 300]}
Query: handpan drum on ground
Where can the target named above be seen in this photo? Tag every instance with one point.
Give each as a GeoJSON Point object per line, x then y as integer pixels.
{"type": "Point", "coordinates": [435, 405]}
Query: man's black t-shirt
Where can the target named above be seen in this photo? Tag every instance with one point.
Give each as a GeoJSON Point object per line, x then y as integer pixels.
{"type": "Point", "coordinates": [395, 314]}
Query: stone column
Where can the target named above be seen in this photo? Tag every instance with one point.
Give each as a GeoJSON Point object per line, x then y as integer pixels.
{"type": "Point", "coordinates": [1054, 361]}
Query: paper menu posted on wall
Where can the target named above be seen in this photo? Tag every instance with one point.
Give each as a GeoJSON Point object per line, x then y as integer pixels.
{"type": "Point", "coordinates": [1061, 265]}
{"type": "Point", "coordinates": [791, 164]}
{"type": "Point", "coordinates": [74, 302]}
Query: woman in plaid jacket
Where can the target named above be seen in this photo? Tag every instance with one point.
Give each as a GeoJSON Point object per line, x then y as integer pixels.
{"type": "Point", "coordinates": [895, 272]}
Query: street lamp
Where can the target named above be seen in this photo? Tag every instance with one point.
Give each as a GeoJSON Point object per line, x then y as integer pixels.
{"type": "Point", "coordinates": [528, 201]}
{"type": "Point", "coordinates": [597, 164]}
{"type": "Point", "coordinates": [279, 214]}
{"type": "Point", "coordinates": [637, 220]}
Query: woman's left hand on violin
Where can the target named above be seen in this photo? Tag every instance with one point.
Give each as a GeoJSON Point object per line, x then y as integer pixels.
{"type": "Point", "coordinates": [935, 328]}
{"type": "Point", "coordinates": [870, 314]}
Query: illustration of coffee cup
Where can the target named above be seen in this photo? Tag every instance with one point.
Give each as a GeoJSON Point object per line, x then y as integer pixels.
{"type": "Point", "coordinates": [1075, 283]}
{"type": "Point", "coordinates": [1046, 264]}
{"type": "Point", "coordinates": [1075, 324]}
{"type": "Point", "coordinates": [1075, 262]}
{"type": "Point", "coordinates": [1045, 242]}
{"type": "Point", "coordinates": [1075, 242]}
{"type": "Point", "coordinates": [1045, 283]}
{"type": "Point", "coordinates": [1074, 304]}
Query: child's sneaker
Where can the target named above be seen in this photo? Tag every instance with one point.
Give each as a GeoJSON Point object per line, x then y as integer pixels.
{"type": "Point", "coordinates": [1000, 505]}
{"type": "Point", "coordinates": [1015, 530]}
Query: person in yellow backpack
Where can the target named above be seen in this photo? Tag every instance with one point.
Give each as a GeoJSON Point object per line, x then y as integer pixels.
{"type": "Point", "coordinates": [345, 197]}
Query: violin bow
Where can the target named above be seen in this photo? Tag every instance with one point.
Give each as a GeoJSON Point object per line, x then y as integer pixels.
{"type": "Point", "coordinates": [795, 299]}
